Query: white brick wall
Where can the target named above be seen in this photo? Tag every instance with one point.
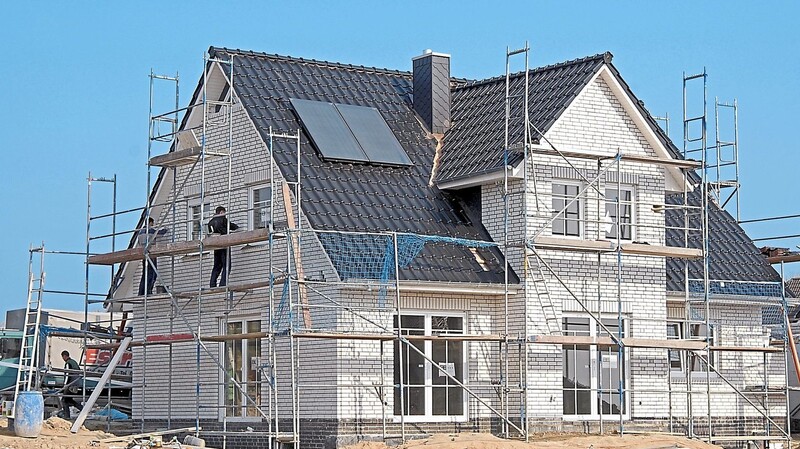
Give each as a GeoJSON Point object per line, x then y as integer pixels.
{"type": "Point", "coordinates": [342, 378]}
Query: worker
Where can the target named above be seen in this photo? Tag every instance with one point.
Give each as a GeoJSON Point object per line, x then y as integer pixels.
{"type": "Point", "coordinates": [70, 385]}
{"type": "Point", "coordinates": [149, 269]}
{"type": "Point", "coordinates": [219, 224]}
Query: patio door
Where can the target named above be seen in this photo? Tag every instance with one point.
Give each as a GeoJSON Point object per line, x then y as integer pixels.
{"type": "Point", "coordinates": [427, 391]}
{"type": "Point", "coordinates": [591, 375]}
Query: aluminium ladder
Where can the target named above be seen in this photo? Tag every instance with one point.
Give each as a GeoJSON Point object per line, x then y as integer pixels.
{"type": "Point", "coordinates": [537, 277]}
{"type": "Point", "coordinates": [28, 365]}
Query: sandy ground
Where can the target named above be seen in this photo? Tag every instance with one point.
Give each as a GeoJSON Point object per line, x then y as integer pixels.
{"type": "Point", "coordinates": [557, 441]}
{"type": "Point", "coordinates": [55, 435]}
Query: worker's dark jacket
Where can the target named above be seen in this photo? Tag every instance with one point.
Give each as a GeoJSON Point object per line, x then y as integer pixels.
{"type": "Point", "coordinates": [72, 377]}
{"type": "Point", "coordinates": [219, 225]}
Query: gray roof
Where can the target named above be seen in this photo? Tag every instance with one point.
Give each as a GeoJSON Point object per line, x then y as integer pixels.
{"type": "Point", "coordinates": [733, 256]}
{"type": "Point", "coordinates": [474, 144]}
{"type": "Point", "coordinates": [793, 287]}
{"type": "Point", "coordinates": [349, 196]}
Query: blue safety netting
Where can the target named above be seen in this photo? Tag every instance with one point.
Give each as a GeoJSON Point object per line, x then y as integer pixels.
{"type": "Point", "coordinates": [371, 258]}
{"type": "Point", "coordinates": [737, 288]}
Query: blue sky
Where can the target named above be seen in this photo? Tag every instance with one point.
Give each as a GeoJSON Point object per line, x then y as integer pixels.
{"type": "Point", "coordinates": [76, 88]}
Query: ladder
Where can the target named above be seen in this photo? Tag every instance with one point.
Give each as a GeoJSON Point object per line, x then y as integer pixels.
{"type": "Point", "coordinates": [30, 331]}
{"type": "Point", "coordinates": [535, 271]}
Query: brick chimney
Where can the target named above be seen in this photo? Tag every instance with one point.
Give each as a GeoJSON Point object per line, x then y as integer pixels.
{"type": "Point", "coordinates": [432, 90]}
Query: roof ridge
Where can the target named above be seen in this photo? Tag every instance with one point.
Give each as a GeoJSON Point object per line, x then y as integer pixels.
{"type": "Point", "coordinates": [332, 64]}
{"type": "Point", "coordinates": [605, 56]}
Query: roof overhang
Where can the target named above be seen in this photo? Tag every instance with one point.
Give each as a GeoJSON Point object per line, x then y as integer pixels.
{"type": "Point", "coordinates": [514, 172]}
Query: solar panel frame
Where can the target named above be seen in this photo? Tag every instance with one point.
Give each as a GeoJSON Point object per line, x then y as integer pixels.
{"type": "Point", "coordinates": [328, 131]}
{"type": "Point", "coordinates": [373, 134]}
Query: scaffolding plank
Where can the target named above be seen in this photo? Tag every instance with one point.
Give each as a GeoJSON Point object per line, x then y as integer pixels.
{"type": "Point", "coordinates": [786, 259]}
{"type": "Point", "coordinates": [641, 249]}
{"type": "Point", "coordinates": [654, 343]}
{"type": "Point", "coordinates": [185, 247]}
{"type": "Point", "coordinates": [680, 163]}
{"type": "Point", "coordinates": [239, 288]}
{"type": "Point", "coordinates": [630, 342]}
{"type": "Point", "coordinates": [183, 157]}
{"type": "Point", "coordinates": [568, 244]}
{"type": "Point", "coordinates": [660, 250]}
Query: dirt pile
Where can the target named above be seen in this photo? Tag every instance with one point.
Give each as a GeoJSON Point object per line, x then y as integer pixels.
{"type": "Point", "coordinates": [55, 435]}
{"type": "Point", "coordinates": [546, 441]}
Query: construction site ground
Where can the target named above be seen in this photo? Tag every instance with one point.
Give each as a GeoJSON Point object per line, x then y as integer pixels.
{"type": "Point", "coordinates": [56, 435]}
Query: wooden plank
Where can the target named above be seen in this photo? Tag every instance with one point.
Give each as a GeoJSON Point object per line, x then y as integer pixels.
{"type": "Point", "coordinates": [655, 343]}
{"type": "Point", "coordinates": [387, 337]}
{"type": "Point", "coordinates": [184, 247]}
{"type": "Point", "coordinates": [183, 157]}
{"type": "Point", "coordinates": [641, 249]}
{"type": "Point", "coordinates": [629, 342]}
{"type": "Point", "coordinates": [680, 163]}
{"type": "Point", "coordinates": [786, 259]}
{"type": "Point", "coordinates": [149, 434]}
{"type": "Point", "coordinates": [566, 244]}
{"type": "Point", "coordinates": [124, 255]}
{"type": "Point", "coordinates": [242, 287]}
{"type": "Point", "coordinates": [660, 250]}
{"type": "Point", "coordinates": [176, 158]}
{"type": "Point", "coordinates": [298, 261]}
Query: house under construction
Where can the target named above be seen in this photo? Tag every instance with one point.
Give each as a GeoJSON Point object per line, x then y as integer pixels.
{"type": "Point", "coordinates": [419, 253]}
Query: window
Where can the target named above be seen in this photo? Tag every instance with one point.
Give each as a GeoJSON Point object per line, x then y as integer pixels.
{"type": "Point", "coordinates": [260, 205]}
{"type": "Point", "coordinates": [196, 221]}
{"type": "Point", "coordinates": [427, 391]}
{"type": "Point", "coordinates": [675, 331]}
{"type": "Point", "coordinates": [242, 364]}
{"type": "Point", "coordinates": [587, 391]}
{"type": "Point", "coordinates": [693, 331]}
{"type": "Point", "coordinates": [568, 220]}
{"type": "Point", "coordinates": [625, 213]}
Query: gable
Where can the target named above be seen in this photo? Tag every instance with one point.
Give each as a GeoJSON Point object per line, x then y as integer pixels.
{"type": "Point", "coordinates": [605, 119]}
{"type": "Point", "coordinates": [596, 122]}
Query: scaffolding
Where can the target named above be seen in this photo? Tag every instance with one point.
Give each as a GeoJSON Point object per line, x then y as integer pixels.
{"type": "Point", "coordinates": [353, 302]}
{"type": "Point", "coordinates": [37, 372]}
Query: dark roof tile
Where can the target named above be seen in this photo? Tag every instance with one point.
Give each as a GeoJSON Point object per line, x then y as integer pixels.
{"type": "Point", "coordinates": [345, 196]}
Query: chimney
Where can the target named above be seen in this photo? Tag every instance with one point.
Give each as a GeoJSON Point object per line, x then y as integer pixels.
{"type": "Point", "coordinates": [432, 90]}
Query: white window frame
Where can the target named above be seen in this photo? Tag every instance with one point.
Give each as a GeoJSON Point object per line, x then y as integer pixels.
{"type": "Point", "coordinates": [594, 330]}
{"type": "Point", "coordinates": [430, 371]}
{"type": "Point", "coordinates": [581, 209]}
{"type": "Point", "coordinates": [246, 358]}
{"type": "Point", "coordinates": [624, 188]}
{"type": "Point", "coordinates": [685, 328]}
{"type": "Point", "coordinates": [251, 207]}
{"type": "Point", "coordinates": [190, 205]}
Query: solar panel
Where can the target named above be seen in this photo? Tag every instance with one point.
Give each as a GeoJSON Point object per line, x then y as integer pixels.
{"type": "Point", "coordinates": [328, 131]}
{"type": "Point", "coordinates": [374, 135]}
